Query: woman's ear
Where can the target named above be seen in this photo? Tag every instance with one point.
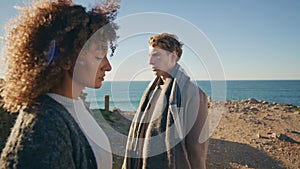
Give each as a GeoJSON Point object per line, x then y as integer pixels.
{"type": "Point", "coordinates": [66, 64]}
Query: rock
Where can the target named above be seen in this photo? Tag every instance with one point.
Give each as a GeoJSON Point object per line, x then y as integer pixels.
{"type": "Point", "coordinates": [253, 109]}
{"type": "Point", "coordinates": [294, 132]}
{"type": "Point", "coordinates": [257, 122]}
{"type": "Point", "coordinates": [252, 101]}
{"type": "Point", "coordinates": [289, 105]}
{"type": "Point", "coordinates": [264, 107]}
{"type": "Point", "coordinates": [265, 102]}
{"type": "Point", "coordinates": [273, 104]}
{"type": "Point", "coordinates": [245, 110]}
{"type": "Point", "coordinates": [284, 137]}
{"type": "Point", "coordinates": [283, 117]}
{"type": "Point", "coordinates": [267, 118]}
{"type": "Point", "coordinates": [288, 111]}
{"type": "Point", "coordinates": [116, 110]}
{"type": "Point", "coordinates": [259, 147]}
{"type": "Point", "coordinates": [258, 135]}
{"type": "Point", "coordinates": [274, 135]}
{"type": "Point", "coordinates": [271, 148]}
{"type": "Point", "coordinates": [236, 106]}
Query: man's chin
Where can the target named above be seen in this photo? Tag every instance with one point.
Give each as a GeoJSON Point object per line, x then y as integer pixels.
{"type": "Point", "coordinates": [157, 73]}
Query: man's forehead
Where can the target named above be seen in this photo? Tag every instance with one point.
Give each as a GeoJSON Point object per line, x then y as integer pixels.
{"type": "Point", "coordinates": [154, 50]}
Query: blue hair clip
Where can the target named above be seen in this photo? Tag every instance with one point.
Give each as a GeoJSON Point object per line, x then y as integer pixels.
{"type": "Point", "coordinates": [51, 54]}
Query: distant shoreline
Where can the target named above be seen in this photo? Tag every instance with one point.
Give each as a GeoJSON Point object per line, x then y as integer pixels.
{"type": "Point", "coordinates": [209, 80]}
{"type": "Point", "coordinates": [127, 94]}
{"type": "Point", "coordinates": [226, 101]}
{"type": "Point", "coordinates": [251, 100]}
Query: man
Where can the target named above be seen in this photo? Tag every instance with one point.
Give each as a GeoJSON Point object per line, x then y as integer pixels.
{"type": "Point", "coordinates": [168, 129]}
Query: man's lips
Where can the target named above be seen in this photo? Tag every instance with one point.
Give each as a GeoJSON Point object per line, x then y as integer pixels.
{"type": "Point", "coordinates": [154, 69]}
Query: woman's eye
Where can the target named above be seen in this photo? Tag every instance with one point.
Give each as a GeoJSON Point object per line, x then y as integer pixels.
{"type": "Point", "coordinates": [99, 57]}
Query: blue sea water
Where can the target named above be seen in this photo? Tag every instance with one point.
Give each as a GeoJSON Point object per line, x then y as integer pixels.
{"type": "Point", "coordinates": [127, 95]}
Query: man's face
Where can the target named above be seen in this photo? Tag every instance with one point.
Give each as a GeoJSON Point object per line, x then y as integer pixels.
{"type": "Point", "coordinates": [161, 61]}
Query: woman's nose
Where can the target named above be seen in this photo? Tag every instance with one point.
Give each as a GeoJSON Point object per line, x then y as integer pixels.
{"type": "Point", "coordinates": [107, 65]}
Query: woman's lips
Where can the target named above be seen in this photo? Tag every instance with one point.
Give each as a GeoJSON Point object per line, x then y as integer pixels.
{"type": "Point", "coordinates": [101, 77]}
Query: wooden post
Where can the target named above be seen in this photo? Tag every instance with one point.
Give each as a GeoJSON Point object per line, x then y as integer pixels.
{"type": "Point", "coordinates": [106, 102]}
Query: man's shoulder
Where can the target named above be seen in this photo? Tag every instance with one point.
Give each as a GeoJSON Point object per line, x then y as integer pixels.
{"type": "Point", "coordinates": [192, 91]}
{"type": "Point", "coordinates": [191, 86]}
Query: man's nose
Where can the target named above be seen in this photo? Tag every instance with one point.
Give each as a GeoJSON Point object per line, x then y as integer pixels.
{"type": "Point", "coordinates": [151, 60]}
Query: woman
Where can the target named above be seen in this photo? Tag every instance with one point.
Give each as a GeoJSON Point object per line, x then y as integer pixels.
{"type": "Point", "coordinates": [47, 71]}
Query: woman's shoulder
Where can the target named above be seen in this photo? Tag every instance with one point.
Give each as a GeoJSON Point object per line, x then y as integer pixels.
{"type": "Point", "coordinates": [38, 131]}
{"type": "Point", "coordinates": [48, 109]}
{"type": "Point", "coordinates": [45, 116]}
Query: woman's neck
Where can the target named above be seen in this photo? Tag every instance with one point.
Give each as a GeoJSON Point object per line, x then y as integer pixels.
{"type": "Point", "coordinates": [68, 88]}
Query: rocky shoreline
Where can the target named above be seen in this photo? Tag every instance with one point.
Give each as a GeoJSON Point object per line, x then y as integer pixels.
{"type": "Point", "coordinates": [250, 134]}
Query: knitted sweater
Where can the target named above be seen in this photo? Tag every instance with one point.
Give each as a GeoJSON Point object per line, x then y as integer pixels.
{"type": "Point", "coordinates": [46, 136]}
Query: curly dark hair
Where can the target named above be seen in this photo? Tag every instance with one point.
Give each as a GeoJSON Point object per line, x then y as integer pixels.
{"type": "Point", "coordinates": [167, 42]}
{"type": "Point", "coordinates": [30, 36]}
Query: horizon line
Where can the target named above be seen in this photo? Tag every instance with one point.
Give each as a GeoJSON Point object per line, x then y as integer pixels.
{"type": "Point", "coordinates": [210, 80]}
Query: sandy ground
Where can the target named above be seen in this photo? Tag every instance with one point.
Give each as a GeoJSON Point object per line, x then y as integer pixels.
{"type": "Point", "coordinates": [250, 134]}
{"type": "Point", "coordinates": [256, 134]}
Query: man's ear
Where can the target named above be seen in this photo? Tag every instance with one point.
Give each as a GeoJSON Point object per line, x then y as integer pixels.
{"type": "Point", "coordinates": [174, 56]}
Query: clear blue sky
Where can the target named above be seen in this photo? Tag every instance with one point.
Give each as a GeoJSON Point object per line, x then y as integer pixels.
{"type": "Point", "coordinates": [254, 39]}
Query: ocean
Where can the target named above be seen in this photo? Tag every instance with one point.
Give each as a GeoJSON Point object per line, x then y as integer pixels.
{"type": "Point", "coordinates": [127, 95]}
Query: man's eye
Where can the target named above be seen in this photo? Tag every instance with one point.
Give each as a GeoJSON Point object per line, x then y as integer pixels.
{"type": "Point", "coordinates": [155, 55]}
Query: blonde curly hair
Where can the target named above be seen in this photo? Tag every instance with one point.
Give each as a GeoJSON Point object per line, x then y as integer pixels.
{"type": "Point", "coordinates": [30, 36]}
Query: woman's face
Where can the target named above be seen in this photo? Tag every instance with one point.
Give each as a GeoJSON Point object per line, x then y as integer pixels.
{"type": "Point", "coordinates": [91, 66]}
